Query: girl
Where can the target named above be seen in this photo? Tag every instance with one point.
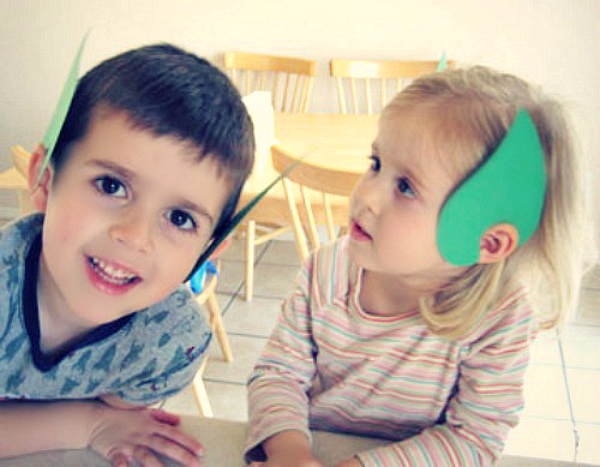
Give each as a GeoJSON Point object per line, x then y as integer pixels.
{"type": "Point", "coordinates": [416, 327]}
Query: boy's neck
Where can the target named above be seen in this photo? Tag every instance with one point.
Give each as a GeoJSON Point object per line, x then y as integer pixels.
{"type": "Point", "coordinates": [56, 333]}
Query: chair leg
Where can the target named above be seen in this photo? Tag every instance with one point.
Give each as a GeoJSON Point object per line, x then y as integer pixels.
{"type": "Point", "coordinates": [250, 239]}
{"type": "Point", "coordinates": [219, 327]}
{"type": "Point", "coordinates": [200, 394]}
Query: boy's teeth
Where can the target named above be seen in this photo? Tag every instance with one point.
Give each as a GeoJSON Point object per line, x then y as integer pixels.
{"type": "Point", "coordinates": [110, 273]}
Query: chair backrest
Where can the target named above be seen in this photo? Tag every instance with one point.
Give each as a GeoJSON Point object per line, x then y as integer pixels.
{"type": "Point", "coordinates": [290, 80]}
{"type": "Point", "coordinates": [380, 77]}
{"type": "Point", "coordinates": [326, 189]}
{"type": "Point", "coordinates": [20, 158]}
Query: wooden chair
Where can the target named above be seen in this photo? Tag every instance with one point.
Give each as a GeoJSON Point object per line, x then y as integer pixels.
{"type": "Point", "coordinates": [380, 77]}
{"type": "Point", "coordinates": [290, 81]}
{"type": "Point", "coordinates": [334, 187]}
{"type": "Point", "coordinates": [15, 179]}
{"type": "Point", "coordinates": [206, 297]}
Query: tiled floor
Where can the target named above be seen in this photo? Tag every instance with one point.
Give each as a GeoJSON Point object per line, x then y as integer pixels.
{"type": "Point", "coordinates": [561, 420]}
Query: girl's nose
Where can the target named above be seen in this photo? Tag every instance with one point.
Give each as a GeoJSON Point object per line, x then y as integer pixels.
{"type": "Point", "coordinates": [133, 230]}
{"type": "Point", "coordinates": [366, 195]}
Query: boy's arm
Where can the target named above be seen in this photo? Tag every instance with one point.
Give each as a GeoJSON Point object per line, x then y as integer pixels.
{"type": "Point", "coordinates": [277, 389]}
{"type": "Point", "coordinates": [30, 427]}
{"type": "Point", "coordinates": [486, 406]}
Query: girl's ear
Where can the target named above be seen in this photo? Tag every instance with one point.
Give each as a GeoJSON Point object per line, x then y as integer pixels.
{"type": "Point", "coordinates": [497, 243]}
{"type": "Point", "coordinates": [38, 192]}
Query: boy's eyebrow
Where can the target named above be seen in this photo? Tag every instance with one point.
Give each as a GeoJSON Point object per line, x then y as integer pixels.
{"type": "Point", "coordinates": [128, 175]}
{"type": "Point", "coordinates": [189, 206]}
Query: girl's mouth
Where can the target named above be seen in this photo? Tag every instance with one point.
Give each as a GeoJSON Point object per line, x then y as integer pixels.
{"type": "Point", "coordinates": [109, 277]}
{"type": "Point", "coordinates": [357, 233]}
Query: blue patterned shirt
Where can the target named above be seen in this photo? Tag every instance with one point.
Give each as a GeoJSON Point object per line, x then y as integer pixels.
{"type": "Point", "coordinates": [142, 358]}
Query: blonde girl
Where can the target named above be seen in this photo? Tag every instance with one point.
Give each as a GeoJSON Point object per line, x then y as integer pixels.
{"type": "Point", "coordinates": [406, 329]}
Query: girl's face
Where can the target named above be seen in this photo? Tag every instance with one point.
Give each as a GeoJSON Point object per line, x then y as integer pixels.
{"type": "Point", "coordinates": [395, 206]}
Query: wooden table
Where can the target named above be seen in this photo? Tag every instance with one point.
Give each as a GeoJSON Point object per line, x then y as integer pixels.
{"type": "Point", "coordinates": [328, 140]}
{"type": "Point", "coordinates": [224, 447]}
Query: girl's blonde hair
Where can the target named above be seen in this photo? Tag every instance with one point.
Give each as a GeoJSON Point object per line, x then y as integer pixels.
{"type": "Point", "coordinates": [471, 111]}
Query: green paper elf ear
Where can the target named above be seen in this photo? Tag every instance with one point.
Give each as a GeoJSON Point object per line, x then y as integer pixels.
{"type": "Point", "coordinates": [508, 188]}
{"type": "Point", "coordinates": [443, 63]}
{"type": "Point", "coordinates": [60, 113]}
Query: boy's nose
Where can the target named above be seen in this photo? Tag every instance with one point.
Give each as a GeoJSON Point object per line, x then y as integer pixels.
{"type": "Point", "coordinates": [133, 230]}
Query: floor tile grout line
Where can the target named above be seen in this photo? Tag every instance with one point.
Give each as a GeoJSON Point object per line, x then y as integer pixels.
{"type": "Point", "coordinates": [208, 379]}
{"type": "Point", "coordinates": [242, 334]}
{"type": "Point", "coordinates": [238, 289]}
{"type": "Point", "coordinates": [568, 390]}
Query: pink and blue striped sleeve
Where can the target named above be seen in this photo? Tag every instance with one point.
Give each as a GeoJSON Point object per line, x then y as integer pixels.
{"type": "Point", "coordinates": [278, 386]}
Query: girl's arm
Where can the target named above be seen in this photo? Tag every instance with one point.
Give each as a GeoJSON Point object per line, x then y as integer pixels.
{"type": "Point", "coordinates": [118, 435]}
{"type": "Point", "coordinates": [486, 406]}
{"type": "Point", "coordinates": [278, 386]}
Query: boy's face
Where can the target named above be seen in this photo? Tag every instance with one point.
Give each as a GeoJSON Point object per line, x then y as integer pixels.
{"type": "Point", "coordinates": [126, 220]}
{"type": "Point", "coordinates": [395, 205]}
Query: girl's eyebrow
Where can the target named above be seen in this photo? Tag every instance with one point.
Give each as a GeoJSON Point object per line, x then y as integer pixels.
{"type": "Point", "coordinates": [129, 176]}
{"type": "Point", "coordinates": [420, 186]}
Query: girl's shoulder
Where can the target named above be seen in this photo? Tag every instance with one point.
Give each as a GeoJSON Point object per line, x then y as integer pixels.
{"type": "Point", "coordinates": [511, 315]}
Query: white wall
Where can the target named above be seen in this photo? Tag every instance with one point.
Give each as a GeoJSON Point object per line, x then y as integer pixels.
{"type": "Point", "coordinates": [553, 43]}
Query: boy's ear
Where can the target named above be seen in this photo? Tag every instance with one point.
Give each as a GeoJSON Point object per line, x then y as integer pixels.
{"type": "Point", "coordinates": [39, 191]}
{"type": "Point", "coordinates": [497, 243]}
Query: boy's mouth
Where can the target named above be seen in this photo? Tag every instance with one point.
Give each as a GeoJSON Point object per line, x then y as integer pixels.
{"type": "Point", "coordinates": [112, 274]}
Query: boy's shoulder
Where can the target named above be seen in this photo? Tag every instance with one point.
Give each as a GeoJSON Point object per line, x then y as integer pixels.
{"type": "Point", "coordinates": [17, 236]}
{"type": "Point", "coordinates": [171, 337]}
{"type": "Point", "coordinates": [177, 314]}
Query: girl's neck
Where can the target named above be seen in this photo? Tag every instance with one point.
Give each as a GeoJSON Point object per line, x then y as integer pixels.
{"type": "Point", "coordinates": [387, 295]}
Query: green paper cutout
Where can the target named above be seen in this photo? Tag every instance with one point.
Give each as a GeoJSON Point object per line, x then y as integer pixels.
{"type": "Point", "coordinates": [443, 63]}
{"type": "Point", "coordinates": [62, 108]}
{"type": "Point", "coordinates": [508, 188]}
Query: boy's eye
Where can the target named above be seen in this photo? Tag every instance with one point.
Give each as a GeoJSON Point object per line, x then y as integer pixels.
{"type": "Point", "coordinates": [110, 186]}
{"type": "Point", "coordinates": [182, 220]}
{"type": "Point", "coordinates": [406, 188]}
{"type": "Point", "coordinates": [375, 163]}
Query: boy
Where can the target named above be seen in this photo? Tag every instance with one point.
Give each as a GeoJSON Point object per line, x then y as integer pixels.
{"type": "Point", "coordinates": [94, 321]}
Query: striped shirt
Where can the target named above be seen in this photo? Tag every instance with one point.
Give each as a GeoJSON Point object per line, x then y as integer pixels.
{"type": "Point", "coordinates": [330, 366]}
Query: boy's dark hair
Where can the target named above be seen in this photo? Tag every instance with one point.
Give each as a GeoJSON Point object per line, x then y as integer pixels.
{"type": "Point", "coordinates": [168, 91]}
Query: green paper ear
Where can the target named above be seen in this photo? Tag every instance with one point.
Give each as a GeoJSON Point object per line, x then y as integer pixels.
{"type": "Point", "coordinates": [443, 63]}
{"type": "Point", "coordinates": [62, 108]}
{"type": "Point", "coordinates": [508, 188]}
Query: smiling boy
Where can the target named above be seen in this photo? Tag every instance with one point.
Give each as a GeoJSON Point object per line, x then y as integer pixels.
{"type": "Point", "coordinates": [148, 168]}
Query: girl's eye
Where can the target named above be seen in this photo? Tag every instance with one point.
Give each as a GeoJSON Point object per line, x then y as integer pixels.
{"type": "Point", "coordinates": [406, 188]}
{"type": "Point", "coordinates": [111, 186]}
{"type": "Point", "coordinates": [182, 220]}
{"type": "Point", "coordinates": [375, 164]}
